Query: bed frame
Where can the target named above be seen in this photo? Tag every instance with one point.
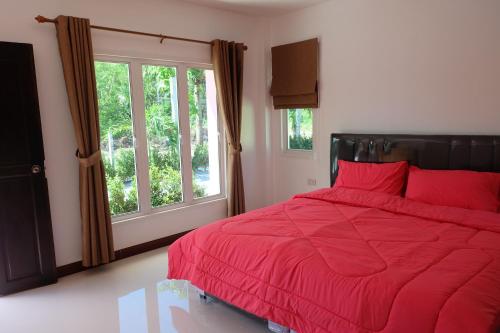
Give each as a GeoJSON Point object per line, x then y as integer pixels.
{"type": "Point", "coordinates": [206, 298]}
{"type": "Point", "coordinates": [442, 152]}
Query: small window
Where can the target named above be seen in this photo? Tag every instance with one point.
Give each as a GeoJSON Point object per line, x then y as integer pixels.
{"type": "Point", "coordinates": [299, 129]}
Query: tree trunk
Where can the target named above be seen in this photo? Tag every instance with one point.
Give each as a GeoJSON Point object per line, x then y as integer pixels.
{"type": "Point", "coordinates": [298, 122]}
{"type": "Point", "coordinates": [200, 106]}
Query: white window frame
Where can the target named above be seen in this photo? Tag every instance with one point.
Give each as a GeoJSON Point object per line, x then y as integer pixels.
{"type": "Point", "coordinates": [140, 137]}
{"type": "Point", "coordinates": [300, 153]}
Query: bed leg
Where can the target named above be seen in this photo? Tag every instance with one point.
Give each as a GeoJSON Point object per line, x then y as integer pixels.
{"type": "Point", "coordinates": [204, 297]}
{"type": "Point", "coordinates": [277, 328]}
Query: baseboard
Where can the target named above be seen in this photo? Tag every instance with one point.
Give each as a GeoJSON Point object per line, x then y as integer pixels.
{"type": "Point", "coordinates": [76, 267]}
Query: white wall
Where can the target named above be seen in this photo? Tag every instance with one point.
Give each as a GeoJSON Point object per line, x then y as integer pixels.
{"type": "Point", "coordinates": [393, 66]}
{"type": "Point", "coordinates": [159, 16]}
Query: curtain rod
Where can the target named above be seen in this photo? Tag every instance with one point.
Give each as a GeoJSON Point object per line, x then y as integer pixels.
{"type": "Point", "coordinates": [43, 19]}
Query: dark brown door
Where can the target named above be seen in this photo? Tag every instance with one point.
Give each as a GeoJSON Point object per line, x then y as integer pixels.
{"type": "Point", "coordinates": [26, 245]}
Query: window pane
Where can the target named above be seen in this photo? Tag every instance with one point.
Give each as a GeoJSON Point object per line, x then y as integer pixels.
{"type": "Point", "coordinates": [204, 132]}
{"type": "Point", "coordinates": [117, 139]}
{"type": "Point", "coordinates": [300, 129]}
{"type": "Point", "coordinates": [162, 127]}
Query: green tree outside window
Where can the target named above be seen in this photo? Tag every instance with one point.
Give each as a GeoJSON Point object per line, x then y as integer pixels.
{"type": "Point", "coordinates": [300, 129]}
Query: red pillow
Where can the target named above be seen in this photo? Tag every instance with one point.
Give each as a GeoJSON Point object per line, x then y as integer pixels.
{"type": "Point", "coordinates": [455, 188]}
{"type": "Point", "coordinates": [377, 177]}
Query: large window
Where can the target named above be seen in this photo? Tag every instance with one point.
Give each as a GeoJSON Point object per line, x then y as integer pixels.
{"type": "Point", "coordinates": [159, 135]}
{"type": "Point", "coordinates": [299, 129]}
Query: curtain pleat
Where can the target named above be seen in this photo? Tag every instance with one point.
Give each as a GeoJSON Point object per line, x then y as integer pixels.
{"type": "Point", "coordinates": [77, 56]}
{"type": "Point", "coordinates": [227, 58]}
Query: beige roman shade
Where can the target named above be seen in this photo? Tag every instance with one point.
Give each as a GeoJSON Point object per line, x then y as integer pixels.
{"type": "Point", "coordinates": [295, 75]}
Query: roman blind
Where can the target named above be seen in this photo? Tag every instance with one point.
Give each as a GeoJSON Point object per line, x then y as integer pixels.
{"type": "Point", "coordinates": [295, 75]}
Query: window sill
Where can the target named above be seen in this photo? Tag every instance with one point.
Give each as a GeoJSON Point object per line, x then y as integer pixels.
{"type": "Point", "coordinates": [133, 217]}
{"type": "Point", "coordinates": [299, 154]}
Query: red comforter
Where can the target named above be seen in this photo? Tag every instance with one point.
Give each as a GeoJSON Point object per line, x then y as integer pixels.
{"type": "Point", "coordinates": [339, 260]}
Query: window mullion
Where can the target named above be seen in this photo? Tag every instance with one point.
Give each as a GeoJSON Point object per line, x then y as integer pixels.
{"type": "Point", "coordinates": [187, 170]}
{"type": "Point", "coordinates": [284, 126]}
{"type": "Point", "coordinates": [141, 145]}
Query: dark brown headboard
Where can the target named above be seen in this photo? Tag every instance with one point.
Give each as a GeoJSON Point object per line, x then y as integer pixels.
{"type": "Point", "coordinates": [442, 152]}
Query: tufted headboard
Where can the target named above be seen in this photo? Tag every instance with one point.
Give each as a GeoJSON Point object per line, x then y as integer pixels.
{"type": "Point", "coordinates": [444, 152]}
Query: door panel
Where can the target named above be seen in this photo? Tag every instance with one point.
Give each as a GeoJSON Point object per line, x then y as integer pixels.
{"type": "Point", "coordinates": [11, 99]}
{"type": "Point", "coordinates": [19, 237]}
{"type": "Point", "coordinates": [26, 244]}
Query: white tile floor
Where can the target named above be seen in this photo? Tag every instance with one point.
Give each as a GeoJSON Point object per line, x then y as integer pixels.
{"type": "Point", "coordinates": [128, 296]}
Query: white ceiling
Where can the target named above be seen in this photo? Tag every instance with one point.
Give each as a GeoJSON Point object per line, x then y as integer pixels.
{"type": "Point", "coordinates": [258, 7]}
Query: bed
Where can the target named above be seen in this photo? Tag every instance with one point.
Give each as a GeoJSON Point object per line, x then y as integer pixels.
{"type": "Point", "coordinates": [347, 260]}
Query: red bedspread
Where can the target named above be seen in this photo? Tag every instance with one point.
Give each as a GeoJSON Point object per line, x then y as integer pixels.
{"type": "Point", "coordinates": [339, 260]}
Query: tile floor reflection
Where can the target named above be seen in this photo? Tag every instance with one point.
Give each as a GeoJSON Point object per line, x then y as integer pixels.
{"type": "Point", "coordinates": [129, 296]}
{"type": "Point", "coordinates": [133, 316]}
{"type": "Point", "coordinates": [173, 301]}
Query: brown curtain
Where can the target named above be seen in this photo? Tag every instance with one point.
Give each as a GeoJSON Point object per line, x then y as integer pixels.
{"type": "Point", "coordinates": [295, 75]}
{"type": "Point", "coordinates": [227, 58]}
{"type": "Point", "coordinates": [75, 46]}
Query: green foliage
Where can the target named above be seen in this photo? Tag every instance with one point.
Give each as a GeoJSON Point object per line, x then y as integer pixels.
{"type": "Point", "coordinates": [113, 92]}
{"type": "Point", "coordinates": [162, 130]}
{"type": "Point", "coordinates": [165, 158]}
{"type": "Point", "coordinates": [178, 288]}
{"type": "Point", "coordinates": [116, 130]}
{"type": "Point", "coordinates": [198, 124]}
{"type": "Point", "coordinates": [197, 97]}
{"type": "Point", "coordinates": [119, 201]}
{"type": "Point", "coordinates": [110, 171]}
{"type": "Point", "coordinates": [157, 87]}
{"type": "Point", "coordinates": [161, 124]}
{"type": "Point", "coordinates": [198, 190]}
{"type": "Point", "coordinates": [200, 157]}
{"type": "Point", "coordinates": [163, 135]}
{"type": "Point", "coordinates": [125, 163]}
{"type": "Point", "coordinates": [166, 186]}
{"type": "Point", "coordinates": [300, 142]}
{"type": "Point", "coordinates": [300, 128]}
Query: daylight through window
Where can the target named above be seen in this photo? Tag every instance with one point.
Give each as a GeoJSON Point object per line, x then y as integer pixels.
{"type": "Point", "coordinates": [117, 135]}
{"type": "Point", "coordinates": [299, 129]}
{"type": "Point", "coordinates": [159, 135]}
{"type": "Point", "coordinates": [204, 134]}
{"type": "Point", "coordinates": [162, 126]}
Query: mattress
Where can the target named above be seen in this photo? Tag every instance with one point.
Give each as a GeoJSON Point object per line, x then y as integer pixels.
{"type": "Point", "coordinates": [341, 260]}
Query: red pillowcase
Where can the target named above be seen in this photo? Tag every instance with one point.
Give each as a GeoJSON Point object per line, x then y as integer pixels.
{"type": "Point", "coordinates": [455, 188]}
{"type": "Point", "coordinates": [377, 177]}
